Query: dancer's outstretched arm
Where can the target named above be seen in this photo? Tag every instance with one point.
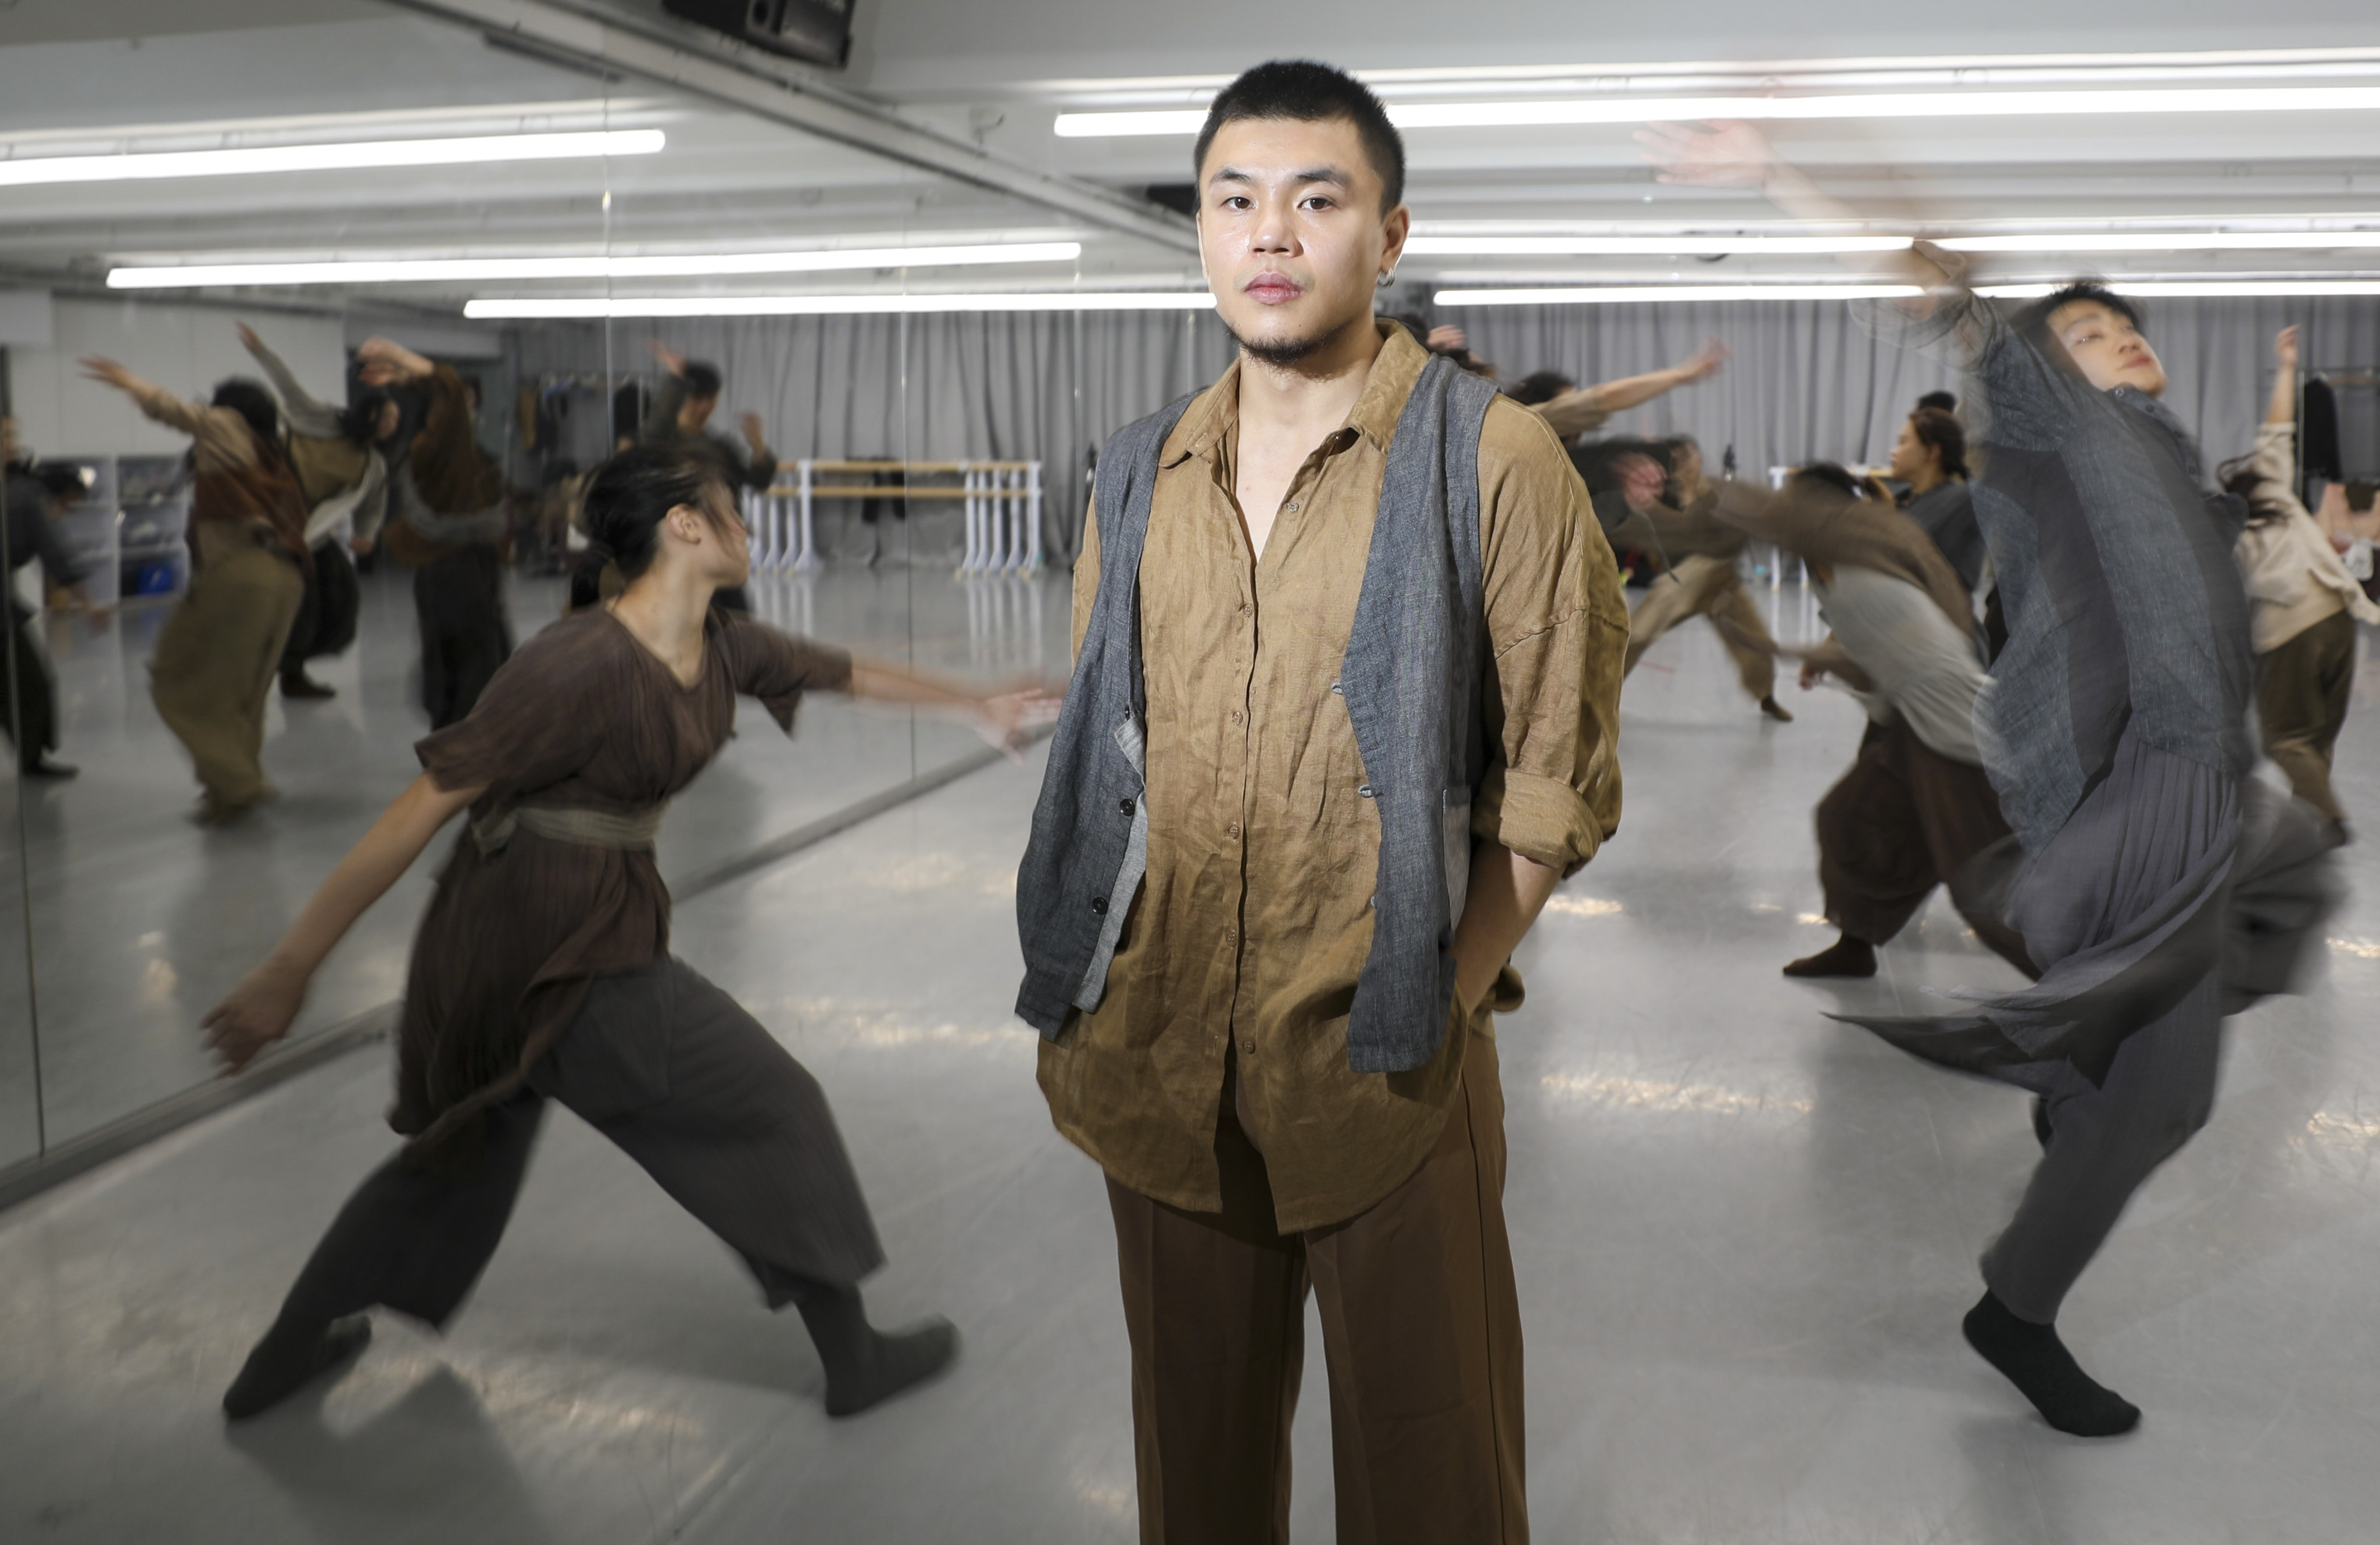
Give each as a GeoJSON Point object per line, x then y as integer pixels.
{"type": "Point", "coordinates": [1002, 717]}
{"type": "Point", "coordinates": [1733, 153]}
{"type": "Point", "coordinates": [260, 1009]}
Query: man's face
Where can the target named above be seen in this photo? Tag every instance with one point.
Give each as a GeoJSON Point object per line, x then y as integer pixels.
{"type": "Point", "coordinates": [1292, 233]}
{"type": "Point", "coordinates": [2106, 348]}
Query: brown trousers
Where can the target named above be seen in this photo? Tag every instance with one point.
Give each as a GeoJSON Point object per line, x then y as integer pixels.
{"type": "Point", "coordinates": [1706, 587]}
{"type": "Point", "coordinates": [1903, 821]}
{"type": "Point", "coordinates": [2302, 685]}
{"type": "Point", "coordinates": [1421, 1331]}
{"type": "Point", "coordinates": [216, 659]}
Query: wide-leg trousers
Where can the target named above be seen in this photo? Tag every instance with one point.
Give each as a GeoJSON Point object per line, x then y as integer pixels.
{"type": "Point", "coordinates": [689, 1086]}
{"type": "Point", "coordinates": [466, 637]}
{"type": "Point", "coordinates": [2303, 687]}
{"type": "Point", "coordinates": [1421, 1332]}
{"type": "Point", "coordinates": [1707, 587]}
{"type": "Point", "coordinates": [216, 657]}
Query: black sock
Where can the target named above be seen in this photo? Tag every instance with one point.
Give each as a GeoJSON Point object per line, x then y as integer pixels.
{"type": "Point", "coordinates": [2036, 1362]}
{"type": "Point", "coordinates": [288, 1358]}
{"type": "Point", "coordinates": [863, 1365]}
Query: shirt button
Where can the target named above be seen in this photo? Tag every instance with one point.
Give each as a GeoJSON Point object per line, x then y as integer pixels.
{"type": "Point", "coordinates": [1246, 611]}
{"type": "Point", "coordinates": [1248, 1047]}
{"type": "Point", "coordinates": [1363, 789]}
{"type": "Point", "coordinates": [1231, 936]}
{"type": "Point", "coordinates": [1099, 906]}
{"type": "Point", "coordinates": [1235, 830]}
{"type": "Point", "coordinates": [1290, 508]}
{"type": "Point", "coordinates": [1124, 805]}
{"type": "Point", "coordinates": [1237, 716]}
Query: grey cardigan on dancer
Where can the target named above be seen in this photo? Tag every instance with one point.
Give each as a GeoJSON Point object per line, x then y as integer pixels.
{"type": "Point", "coordinates": [1411, 679]}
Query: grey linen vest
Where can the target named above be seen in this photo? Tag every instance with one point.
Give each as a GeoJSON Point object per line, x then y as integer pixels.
{"type": "Point", "coordinates": [1411, 678]}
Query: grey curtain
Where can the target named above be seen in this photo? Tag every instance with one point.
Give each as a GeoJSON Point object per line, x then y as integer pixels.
{"type": "Point", "coordinates": [1806, 382]}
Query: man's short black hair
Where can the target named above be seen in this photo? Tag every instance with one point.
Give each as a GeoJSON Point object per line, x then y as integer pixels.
{"type": "Point", "coordinates": [1305, 91]}
{"type": "Point", "coordinates": [703, 381]}
{"type": "Point", "coordinates": [1947, 402]}
{"type": "Point", "coordinates": [1540, 386]}
{"type": "Point", "coordinates": [2036, 317]}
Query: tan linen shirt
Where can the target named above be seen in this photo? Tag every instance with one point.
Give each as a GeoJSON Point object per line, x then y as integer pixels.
{"type": "Point", "coordinates": [2295, 577]}
{"type": "Point", "coordinates": [1255, 918]}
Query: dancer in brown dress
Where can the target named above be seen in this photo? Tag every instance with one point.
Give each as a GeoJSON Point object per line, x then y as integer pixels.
{"type": "Point", "coordinates": [543, 969]}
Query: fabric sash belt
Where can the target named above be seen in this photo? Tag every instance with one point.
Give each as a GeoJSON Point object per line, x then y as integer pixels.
{"type": "Point", "coordinates": [556, 823]}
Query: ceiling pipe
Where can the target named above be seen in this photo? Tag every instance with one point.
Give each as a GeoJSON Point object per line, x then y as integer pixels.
{"type": "Point", "coordinates": [620, 45]}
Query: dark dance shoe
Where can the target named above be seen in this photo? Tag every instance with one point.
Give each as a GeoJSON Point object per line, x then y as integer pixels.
{"type": "Point", "coordinates": [894, 1362]}
{"type": "Point", "coordinates": [46, 768]}
{"type": "Point", "coordinates": [303, 685]}
{"type": "Point", "coordinates": [2032, 1358]}
{"type": "Point", "coordinates": [289, 1358]}
{"type": "Point", "coordinates": [1846, 957]}
{"type": "Point", "coordinates": [1775, 710]}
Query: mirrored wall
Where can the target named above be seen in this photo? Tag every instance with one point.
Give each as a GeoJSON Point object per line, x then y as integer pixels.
{"type": "Point", "coordinates": [450, 277]}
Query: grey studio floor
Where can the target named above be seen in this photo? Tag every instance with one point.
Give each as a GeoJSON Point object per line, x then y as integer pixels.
{"type": "Point", "coordinates": [1745, 1232]}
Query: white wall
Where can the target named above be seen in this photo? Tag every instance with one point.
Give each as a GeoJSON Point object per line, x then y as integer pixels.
{"type": "Point", "coordinates": [186, 349]}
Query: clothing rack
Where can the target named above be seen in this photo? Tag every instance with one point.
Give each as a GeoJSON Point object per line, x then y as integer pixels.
{"type": "Point", "coordinates": [1002, 499]}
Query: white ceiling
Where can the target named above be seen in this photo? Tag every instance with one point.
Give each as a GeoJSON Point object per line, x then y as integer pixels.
{"type": "Point", "coordinates": [996, 72]}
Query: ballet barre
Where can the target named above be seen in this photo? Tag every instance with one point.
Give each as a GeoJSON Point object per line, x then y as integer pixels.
{"type": "Point", "coordinates": [1002, 499]}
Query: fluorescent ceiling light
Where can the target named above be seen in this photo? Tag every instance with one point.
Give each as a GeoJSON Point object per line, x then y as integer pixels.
{"type": "Point", "coordinates": [2203, 288]}
{"type": "Point", "coordinates": [2165, 241]}
{"type": "Point", "coordinates": [1548, 112]}
{"type": "Point", "coordinates": [353, 155]}
{"type": "Point", "coordinates": [540, 308]}
{"type": "Point", "coordinates": [404, 271]}
{"type": "Point", "coordinates": [1614, 294]}
{"type": "Point", "coordinates": [1645, 246]}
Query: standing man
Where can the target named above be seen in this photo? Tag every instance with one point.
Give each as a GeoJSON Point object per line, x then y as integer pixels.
{"type": "Point", "coordinates": [1343, 712]}
{"type": "Point", "coordinates": [29, 688]}
{"type": "Point", "coordinates": [680, 420]}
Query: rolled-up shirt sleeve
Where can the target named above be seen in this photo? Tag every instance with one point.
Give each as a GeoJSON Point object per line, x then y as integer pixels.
{"type": "Point", "coordinates": [1557, 635]}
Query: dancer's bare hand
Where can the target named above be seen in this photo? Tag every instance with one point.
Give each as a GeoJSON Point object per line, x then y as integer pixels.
{"type": "Point", "coordinates": [756, 434]}
{"type": "Point", "coordinates": [1726, 153]}
{"type": "Point", "coordinates": [1642, 481]}
{"type": "Point", "coordinates": [1812, 673]}
{"type": "Point", "coordinates": [667, 358]}
{"type": "Point", "coordinates": [1706, 362]}
{"type": "Point", "coordinates": [1448, 338]}
{"type": "Point", "coordinates": [2285, 347]}
{"type": "Point", "coordinates": [253, 1015]}
{"type": "Point", "coordinates": [386, 362]}
{"type": "Point", "coordinates": [1007, 718]}
{"type": "Point", "coordinates": [247, 338]}
{"type": "Point", "coordinates": [108, 372]}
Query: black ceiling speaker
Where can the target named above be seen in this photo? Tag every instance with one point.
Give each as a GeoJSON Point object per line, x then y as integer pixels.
{"type": "Point", "coordinates": [816, 32]}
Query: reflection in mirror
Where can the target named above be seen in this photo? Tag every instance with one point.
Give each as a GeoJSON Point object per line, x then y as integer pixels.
{"type": "Point", "coordinates": [324, 437]}
{"type": "Point", "coordinates": [28, 717]}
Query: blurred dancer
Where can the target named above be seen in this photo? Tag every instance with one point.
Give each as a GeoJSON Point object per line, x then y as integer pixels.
{"type": "Point", "coordinates": [2114, 731]}
{"type": "Point", "coordinates": [1931, 458]}
{"type": "Point", "coordinates": [2303, 604]}
{"type": "Point", "coordinates": [447, 519]}
{"type": "Point", "coordinates": [217, 655]}
{"type": "Point", "coordinates": [29, 689]}
{"type": "Point", "coordinates": [1293, 824]}
{"type": "Point", "coordinates": [543, 969]}
{"type": "Point", "coordinates": [1574, 410]}
{"type": "Point", "coordinates": [334, 453]}
{"type": "Point", "coordinates": [1699, 554]}
{"type": "Point", "coordinates": [1915, 805]}
{"type": "Point", "coordinates": [680, 420]}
